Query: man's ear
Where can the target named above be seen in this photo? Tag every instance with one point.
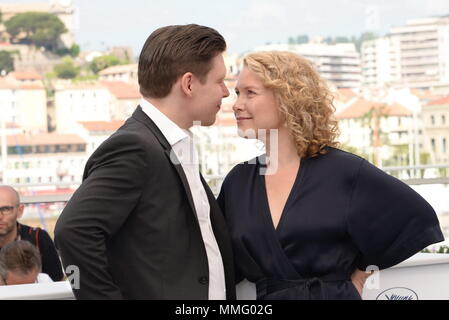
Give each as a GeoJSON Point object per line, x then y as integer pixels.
{"type": "Point", "coordinates": [20, 211]}
{"type": "Point", "coordinates": [186, 83]}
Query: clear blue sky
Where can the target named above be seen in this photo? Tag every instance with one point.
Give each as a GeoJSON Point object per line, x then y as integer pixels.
{"type": "Point", "coordinates": [244, 23]}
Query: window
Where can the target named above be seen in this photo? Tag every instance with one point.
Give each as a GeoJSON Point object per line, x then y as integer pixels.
{"type": "Point", "coordinates": [444, 145]}
{"type": "Point", "coordinates": [432, 142]}
{"type": "Point", "coordinates": [432, 120]}
{"type": "Point", "coordinates": [443, 119]}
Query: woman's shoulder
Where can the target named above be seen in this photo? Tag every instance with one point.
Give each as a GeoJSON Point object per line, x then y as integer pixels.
{"type": "Point", "coordinates": [335, 159]}
{"type": "Point", "coordinates": [342, 155]}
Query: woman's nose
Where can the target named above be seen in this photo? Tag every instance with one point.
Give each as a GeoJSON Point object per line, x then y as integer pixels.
{"type": "Point", "coordinates": [238, 106]}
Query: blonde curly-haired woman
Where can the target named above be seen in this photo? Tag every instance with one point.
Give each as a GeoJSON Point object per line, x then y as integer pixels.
{"type": "Point", "coordinates": [306, 218]}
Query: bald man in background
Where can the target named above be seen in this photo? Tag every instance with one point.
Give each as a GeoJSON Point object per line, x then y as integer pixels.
{"type": "Point", "coordinates": [11, 230]}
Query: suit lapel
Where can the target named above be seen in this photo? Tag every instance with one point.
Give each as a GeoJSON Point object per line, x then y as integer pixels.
{"type": "Point", "coordinates": [141, 116]}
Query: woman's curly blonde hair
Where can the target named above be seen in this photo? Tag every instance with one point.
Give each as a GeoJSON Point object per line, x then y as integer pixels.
{"type": "Point", "coordinates": [303, 97]}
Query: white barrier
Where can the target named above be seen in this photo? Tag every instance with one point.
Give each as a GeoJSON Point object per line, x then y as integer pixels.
{"type": "Point", "coordinates": [60, 290]}
{"type": "Point", "coordinates": [425, 276]}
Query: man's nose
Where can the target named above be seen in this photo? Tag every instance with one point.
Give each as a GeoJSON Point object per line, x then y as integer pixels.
{"type": "Point", "coordinates": [225, 91]}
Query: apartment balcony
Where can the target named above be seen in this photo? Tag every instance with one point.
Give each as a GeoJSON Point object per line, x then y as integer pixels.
{"type": "Point", "coordinates": [420, 53]}
{"type": "Point", "coordinates": [338, 61]}
{"type": "Point", "coordinates": [430, 33]}
{"type": "Point", "coordinates": [430, 70]}
{"type": "Point", "coordinates": [337, 69]}
{"type": "Point", "coordinates": [419, 45]}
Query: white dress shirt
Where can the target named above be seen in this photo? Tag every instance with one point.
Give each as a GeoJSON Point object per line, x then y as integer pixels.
{"type": "Point", "coordinates": [181, 141]}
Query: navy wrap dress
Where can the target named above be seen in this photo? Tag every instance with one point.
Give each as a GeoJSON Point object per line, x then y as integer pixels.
{"type": "Point", "coordinates": [342, 213]}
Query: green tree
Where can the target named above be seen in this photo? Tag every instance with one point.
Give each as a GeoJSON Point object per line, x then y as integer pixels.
{"type": "Point", "coordinates": [66, 69]}
{"type": "Point", "coordinates": [6, 61]}
{"type": "Point", "coordinates": [364, 37]}
{"type": "Point", "coordinates": [103, 62]}
{"type": "Point", "coordinates": [302, 39]}
{"type": "Point", "coordinates": [37, 28]}
{"type": "Point", "coordinates": [73, 51]}
{"type": "Point", "coordinates": [342, 40]}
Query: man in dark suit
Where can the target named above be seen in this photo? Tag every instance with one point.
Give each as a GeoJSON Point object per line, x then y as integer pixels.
{"type": "Point", "coordinates": [144, 224]}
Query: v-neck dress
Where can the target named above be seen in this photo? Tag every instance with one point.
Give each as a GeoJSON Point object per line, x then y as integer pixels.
{"type": "Point", "coordinates": [342, 213]}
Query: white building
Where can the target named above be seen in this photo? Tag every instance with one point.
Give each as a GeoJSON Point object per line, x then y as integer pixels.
{"type": "Point", "coordinates": [380, 62]}
{"type": "Point", "coordinates": [45, 159]}
{"type": "Point", "coordinates": [125, 73]}
{"type": "Point", "coordinates": [395, 130]}
{"type": "Point", "coordinates": [24, 105]}
{"type": "Point", "coordinates": [338, 63]}
{"type": "Point", "coordinates": [81, 102]}
{"type": "Point", "coordinates": [96, 132]}
{"type": "Point", "coordinates": [424, 52]}
{"type": "Point", "coordinates": [98, 101]}
{"type": "Point", "coordinates": [436, 128]}
{"type": "Point", "coordinates": [124, 98]}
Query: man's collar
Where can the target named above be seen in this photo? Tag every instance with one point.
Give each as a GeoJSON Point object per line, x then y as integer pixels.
{"type": "Point", "coordinates": [171, 131]}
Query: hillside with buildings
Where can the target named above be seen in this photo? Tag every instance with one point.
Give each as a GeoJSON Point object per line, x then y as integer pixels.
{"type": "Point", "coordinates": [391, 99]}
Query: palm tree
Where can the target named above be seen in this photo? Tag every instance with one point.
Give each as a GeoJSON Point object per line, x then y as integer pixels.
{"type": "Point", "coordinates": [372, 119]}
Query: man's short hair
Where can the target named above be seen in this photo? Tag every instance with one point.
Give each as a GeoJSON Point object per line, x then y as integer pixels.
{"type": "Point", "coordinates": [171, 51]}
{"type": "Point", "coordinates": [20, 256]}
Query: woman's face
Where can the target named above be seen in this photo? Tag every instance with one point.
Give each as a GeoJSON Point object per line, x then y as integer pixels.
{"type": "Point", "coordinates": [256, 106]}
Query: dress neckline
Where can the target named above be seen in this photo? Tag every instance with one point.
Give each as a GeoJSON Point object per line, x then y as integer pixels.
{"type": "Point", "coordinates": [265, 203]}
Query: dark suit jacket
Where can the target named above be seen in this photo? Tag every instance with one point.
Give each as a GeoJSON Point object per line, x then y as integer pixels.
{"type": "Point", "coordinates": [131, 227]}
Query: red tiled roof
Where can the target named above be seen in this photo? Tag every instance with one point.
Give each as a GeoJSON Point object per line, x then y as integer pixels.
{"type": "Point", "coordinates": [347, 92]}
{"type": "Point", "coordinates": [344, 94]}
{"type": "Point", "coordinates": [360, 107]}
{"type": "Point", "coordinates": [30, 86]}
{"type": "Point", "coordinates": [122, 90]}
{"type": "Point", "coordinates": [26, 75]}
{"type": "Point", "coordinates": [8, 84]}
{"type": "Point", "coordinates": [11, 125]}
{"type": "Point", "coordinates": [439, 102]}
{"type": "Point", "coordinates": [43, 139]}
{"type": "Point", "coordinates": [102, 125]}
